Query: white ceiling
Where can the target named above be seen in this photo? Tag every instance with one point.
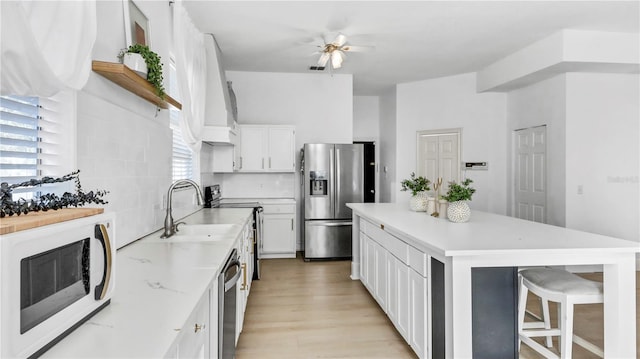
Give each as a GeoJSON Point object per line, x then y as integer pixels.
{"type": "Point", "coordinates": [414, 40]}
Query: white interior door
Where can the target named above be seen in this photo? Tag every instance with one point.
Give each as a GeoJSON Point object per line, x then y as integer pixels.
{"type": "Point", "coordinates": [530, 183]}
{"type": "Point", "coordinates": [439, 156]}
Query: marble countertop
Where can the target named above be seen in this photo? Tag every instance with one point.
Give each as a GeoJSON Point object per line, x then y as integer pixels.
{"type": "Point", "coordinates": [486, 233]}
{"type": "Point", "coordinates": [158, 284]}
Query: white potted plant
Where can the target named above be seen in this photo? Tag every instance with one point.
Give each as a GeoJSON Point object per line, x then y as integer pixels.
{"type": "Point", "coordinates": [418, 187]}
{"type": "Point", "coordinates": [458, 195]}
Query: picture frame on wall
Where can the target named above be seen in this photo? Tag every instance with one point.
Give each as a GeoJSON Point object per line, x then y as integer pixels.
{"type": "Point", "coordinates": [136, 29]}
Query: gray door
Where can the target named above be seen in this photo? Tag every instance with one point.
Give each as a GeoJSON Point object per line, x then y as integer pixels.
{"type": "Point", "coordinates": [318, 182]}
{"type": "Point", "coordinates": [349, 177]}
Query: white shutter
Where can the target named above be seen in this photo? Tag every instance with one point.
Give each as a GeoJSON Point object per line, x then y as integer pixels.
{"type": "Point", "coordinates": [182, 163]}
{"type": "Point", "coordinates": [19, 119]}
{"type": "Point", "coordinates": [34, 141]}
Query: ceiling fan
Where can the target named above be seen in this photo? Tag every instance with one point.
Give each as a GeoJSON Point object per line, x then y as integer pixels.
{"type": "Point", "coordinates": [335, 52]}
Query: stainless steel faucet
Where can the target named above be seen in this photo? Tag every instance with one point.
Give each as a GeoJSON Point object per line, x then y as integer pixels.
{"type": "Point", "coordinates": [169, 226]}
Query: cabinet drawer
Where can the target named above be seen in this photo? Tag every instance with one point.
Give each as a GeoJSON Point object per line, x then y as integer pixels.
{"type": "Point", "coordinates": [418, 261]}
{"type": "Point", "coordinates": [279, 208]}
{"type": "Point", "coordinates": [391, 243]}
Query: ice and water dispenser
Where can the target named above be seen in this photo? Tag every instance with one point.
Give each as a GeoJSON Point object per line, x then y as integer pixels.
{"type": "Point", "coordinates": [318, 183]}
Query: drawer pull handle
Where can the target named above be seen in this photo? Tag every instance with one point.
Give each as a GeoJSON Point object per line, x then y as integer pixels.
{"type": "Point", "coordinates": [199, 327]}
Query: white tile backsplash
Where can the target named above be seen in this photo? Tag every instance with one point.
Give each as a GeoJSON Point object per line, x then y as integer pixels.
{"type": "Point", "coordinates": [257, 185]}
{"type": "Point", "coordinates": [128, 154]}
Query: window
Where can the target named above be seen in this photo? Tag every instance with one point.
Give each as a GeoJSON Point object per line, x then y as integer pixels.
{"type": "Point", "coordinates": [182, 163]}
{"type": "Point", "coordinates": [36, 140]}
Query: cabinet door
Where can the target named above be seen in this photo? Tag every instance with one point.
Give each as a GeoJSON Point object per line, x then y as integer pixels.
{"type": "Point", "coordinates": [402, 278]}
{"type": "Point", "coordinates": [392, 288]}
{"type": "Point", "coordinates": [364, 259]}
{"type": "Point", "coordinates": [281, 149]}
{"type": "Point", "coordinates": [223, 159]}
{"type": "Point", "coordinates": [253, 149]}
{"type": "Point", "coordinates": [418, 313]}
{"type": "Point", "coordinates": [194, 339]}
{"type": "Point", "coordinates": [371, 266]}
{"type": "Point", "coordinates": [381, 276]}
{"type": "Point", "coordinates": [279, 236]}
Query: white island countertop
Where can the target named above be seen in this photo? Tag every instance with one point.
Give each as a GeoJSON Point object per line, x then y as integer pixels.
{"type": "Point", "coordinates": [158, 284]}
{"type": "Point", "coordinates": [486, 233]}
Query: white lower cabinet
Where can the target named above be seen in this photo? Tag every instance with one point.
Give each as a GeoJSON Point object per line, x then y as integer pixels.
{"type": "Point", "coordinates": [395, 274]}
{"type": "Point", "coordinates": [398, 301]}
{"type": "Point", "coordinates": [245, 251]}
{"type": "Point", "coordinates": [279, 230]}
{"type": "Point", "coordinates": [381, 275]}
{"type": "Point", "coordinates": [194, 339]}
{"type": "Point", "coordinates": [418, 310]}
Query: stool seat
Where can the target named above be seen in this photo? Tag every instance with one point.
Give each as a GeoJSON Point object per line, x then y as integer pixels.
{"type": "Point", "coordinates": [561, 282]}
{"type": "Point", "coordinates": [564, 288]}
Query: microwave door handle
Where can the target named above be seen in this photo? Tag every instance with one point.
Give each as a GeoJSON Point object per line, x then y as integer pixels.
{"type": "Point", "coordinates": [102, 235]}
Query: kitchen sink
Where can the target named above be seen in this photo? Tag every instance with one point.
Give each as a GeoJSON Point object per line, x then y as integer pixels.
{"type": "Point", "coordinates": [212, 230]}
{"type": "Point", "coordinates": [200, 233]}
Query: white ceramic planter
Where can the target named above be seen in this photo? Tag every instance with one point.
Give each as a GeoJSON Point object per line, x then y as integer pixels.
{"type": "Point", "coordinates": [136, 63]}
{"type": "Point", "coordinates": [459, 211]}
{"type": "Point", "coordinates": [418, 203]}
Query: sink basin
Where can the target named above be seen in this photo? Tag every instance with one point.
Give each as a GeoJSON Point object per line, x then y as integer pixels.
{"type": "Point", "coordinates": [199, 233]}
{"type": "Point", "coordinates": [211, 230]}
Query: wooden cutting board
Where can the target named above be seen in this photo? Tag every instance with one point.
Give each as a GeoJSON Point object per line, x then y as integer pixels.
{"type": "Point", "coordinates": [37, 219]}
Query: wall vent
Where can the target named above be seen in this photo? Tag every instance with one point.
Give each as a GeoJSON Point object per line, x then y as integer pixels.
{"type": "Point", "coordinates": [316, 68]}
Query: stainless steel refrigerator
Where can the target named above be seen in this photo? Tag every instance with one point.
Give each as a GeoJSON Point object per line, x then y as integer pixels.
{"type": "Point", "coordinates": [332, 177]}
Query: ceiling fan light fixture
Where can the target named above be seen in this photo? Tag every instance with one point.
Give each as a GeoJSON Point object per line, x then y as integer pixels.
{"type": "Point", "coordinates": [336, 59]}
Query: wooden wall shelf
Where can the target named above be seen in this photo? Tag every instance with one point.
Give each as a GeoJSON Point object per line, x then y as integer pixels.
{"type": "Point", "coordinates": [126, 78]}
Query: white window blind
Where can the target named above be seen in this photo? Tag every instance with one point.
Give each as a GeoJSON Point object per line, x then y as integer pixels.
{"type": "Point", "coordinates": [34, 141]}
{"type": "Point", "coordinates": [182, 163]}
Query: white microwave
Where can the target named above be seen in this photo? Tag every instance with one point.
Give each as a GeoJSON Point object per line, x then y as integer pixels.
{"type": "Point", "coordinates": [52, 279]}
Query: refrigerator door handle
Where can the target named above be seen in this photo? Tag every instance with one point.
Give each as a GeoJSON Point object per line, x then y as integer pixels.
{"type": "Point", "coordinates": [338, 186]}
{"type": "Point", "coordinates": [332, 176]}
{"type": "Point", "coordinates": [330, 224]}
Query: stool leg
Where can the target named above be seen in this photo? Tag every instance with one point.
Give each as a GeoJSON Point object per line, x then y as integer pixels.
{"type": "Point", "coordinates": [565, 321]}
{"type": "Point", "coordinates": [522, 306]}
{"type": "Point", "coordinates": [547, 319]}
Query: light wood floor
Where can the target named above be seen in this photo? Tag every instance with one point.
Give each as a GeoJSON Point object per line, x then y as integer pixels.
{"type": "Point", "coordinates": [314, 310]}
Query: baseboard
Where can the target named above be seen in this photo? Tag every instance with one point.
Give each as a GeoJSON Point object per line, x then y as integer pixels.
{"type": "Point", "coordinates": [638, 262]}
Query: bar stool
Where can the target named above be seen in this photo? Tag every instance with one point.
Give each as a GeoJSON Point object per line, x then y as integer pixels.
{"type": "Point", "coordinates": [564, 288]}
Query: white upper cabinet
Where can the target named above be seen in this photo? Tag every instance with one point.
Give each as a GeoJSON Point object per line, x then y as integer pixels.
{"type": "Point", "coordinates": [267, 148]}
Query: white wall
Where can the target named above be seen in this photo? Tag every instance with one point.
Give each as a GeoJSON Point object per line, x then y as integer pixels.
{"type": "Point", "coordinates": [320, 106]}
{"type": "Point", "coordinates": [387, 148]}
{"type": "Point", "coordinates": [366, 118]}
{"type": "Point", "coordinates": [452, 102]}
{"type": "Point", "coordinates": [542, 103]}
{"type": "Point", "coordinates": [603, 136]}
{"type": "Point", "coordinates": [123, 144]}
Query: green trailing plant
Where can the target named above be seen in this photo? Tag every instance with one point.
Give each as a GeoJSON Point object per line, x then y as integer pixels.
{"type": "Point", "coordinates": [154, 66]}
{"type": "Point", "coordinates": [415, 184]}
{"type": "Point", "coordinates": [459, 192]}
{"type": "Point", "coordinates": [47, 201]}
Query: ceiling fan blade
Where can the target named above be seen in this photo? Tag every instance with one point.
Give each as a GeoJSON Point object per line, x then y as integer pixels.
{"type": "Point", "coordinates": [357, 48]}
{"type": "Point", "coordinates": [340, 40]}
{"type": "Point", "coordinates": [336, 59]}
{"type": "Point", "coordinates": [322, 61]}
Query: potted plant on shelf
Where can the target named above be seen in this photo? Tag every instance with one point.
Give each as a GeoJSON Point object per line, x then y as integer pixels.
{"type": "Point", "coordinates": [458, 194]}
{"type": "Point", "coordinates": [150, 68]}
{"type": "Point", "coordinates": [418, 187]}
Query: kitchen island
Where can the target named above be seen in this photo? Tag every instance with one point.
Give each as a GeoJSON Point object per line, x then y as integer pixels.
{"type": "Point", "coordinates": [450, 255]}
{"type": "Point", "coordinates": [160, 286]}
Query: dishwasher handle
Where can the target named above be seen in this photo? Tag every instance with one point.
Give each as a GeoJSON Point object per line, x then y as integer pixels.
{"type": "Point", "coordinates": [232, 282]}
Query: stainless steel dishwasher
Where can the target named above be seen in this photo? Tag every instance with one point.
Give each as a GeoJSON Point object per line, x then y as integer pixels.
{"type": "Point", "coordinates": [227, 281]}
